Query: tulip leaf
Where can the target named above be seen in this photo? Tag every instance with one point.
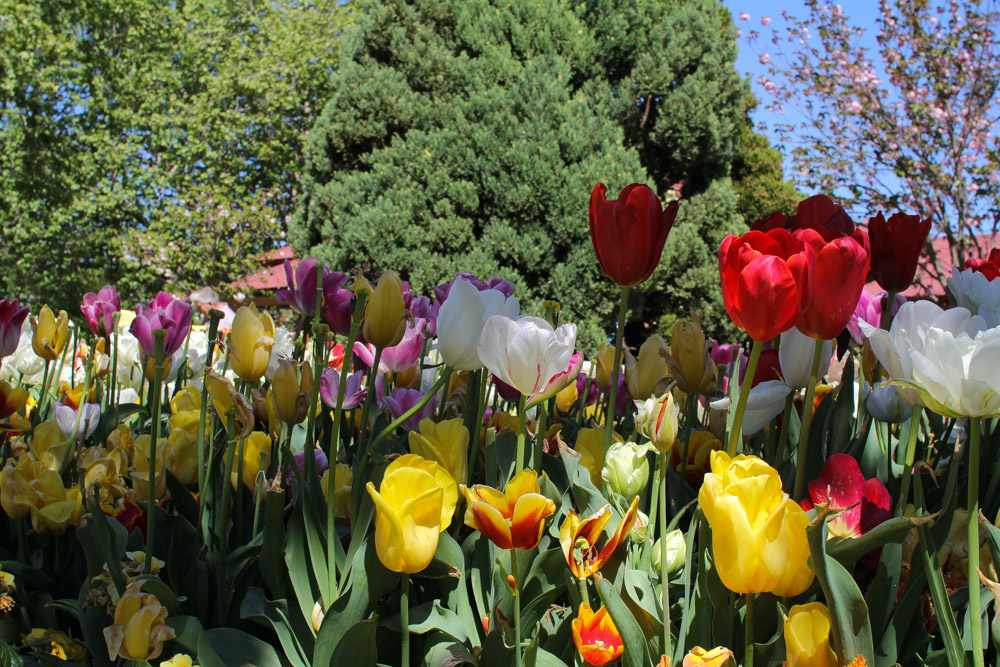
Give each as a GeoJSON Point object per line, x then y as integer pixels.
{"type": "Point", "coordinates": [851, 629]}
{"type": "Point", "coordinates": [92, 623]}
{"type": "Point", "coordinates": [843, 413]}
{"type": "Point", "coordinates": [635, 653]}
{"type": "Point", "coordinates": [455, 591]}
{"type": "Point", "coordinates": [297, 643]}
{"type": "Point", "coordinates": [222, 647]}
{"type": "Point", "coordinates": [187, 631]}
{"type": "Point", "coordinates": [849, 550]}
{"type": "Point", "coordinates": [358, 646]}
{"type": "Point", "coordinates": [431, 616]}
{"type": "Point", "coordinates": [272, 553]}
{"type": "Point", "coordinates": [8, 658]}
{"type": "Point", "coordinates": [316, 542]}
{"type": "Point", "coordinates": [447, 653]}
{"type": "Point", "coordinates": [297, 563]}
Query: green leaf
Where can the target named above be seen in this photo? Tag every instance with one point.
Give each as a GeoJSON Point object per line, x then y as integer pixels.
{"type": "Point", "coordinates": [187, 631]}
{"type": "Point", "coordinates": [358, 646]}
{"type": "Point", "coordinates": [233, 647]}
{"type": "Point", "coordinates": [635, 654]}
{"type": "Point", "coordinates": [850, 549]}
{"type": "Point", "coordinates": [296, 638]}
{"type": "Point", "coordinates": [430, 616]}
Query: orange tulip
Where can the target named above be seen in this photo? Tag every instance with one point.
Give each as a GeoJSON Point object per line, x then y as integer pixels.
{"type": "Point", "coordinates": [699, 657]}
{"type": "Point", "coordinates": [589, 530]}
{"type": "Point", "coordinates": [596, 636]}
{"type": "Point", "coordinates": [512, 519]}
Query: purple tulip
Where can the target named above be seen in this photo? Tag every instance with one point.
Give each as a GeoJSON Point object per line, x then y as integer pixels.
{"type": "Point", "coordinates": [423, 308]}
{"type": "Point", "coordinates": [592, 391]}
{"type": "Point", "coordinates": [399, 401]}
{"type": "Point", "coordinates": [723, 355]}
{"type": "Point", "coordinates": [167, 313]}
{"type": "Point", "coordinates": [497, 283]}
{"type": "Point", "coordinates": [399, 357]}
{"type": "Point", "coordinates": [507, 392]}
{"type": "Point", "coordinates": [301, 291]}
{"type": "Point", "coordinates": [11, 318]}
{"type": "Point", "coordinates": [99, 310]}
{"type": "Point", "coordinates": [338, 303]}
{"type": "Point", "coordinates": [329, 388]}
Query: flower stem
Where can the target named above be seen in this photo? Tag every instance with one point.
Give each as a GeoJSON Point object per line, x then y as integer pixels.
{"type": "Point", "coordinates": [911, 446]}
{"type": "Point", "coordinates": [540, 436]}
{"type": "Point", "coordinates": [520, 434]}
{"type": "Point", "coordinates": [807, 413]}
{"type": "Point", "coordinates": [692, 415]}
{"type": "Point", "coordinates": [160, 336]}
{"type": "Point", "coordinates": [609, 419]}
{"type": "Point", "coordinates": [213, 330]}
{"type": "Point", "coordinates": [319, 363]}
{"type": "Point", "coordinates": [664, 575]}
{"type": "Point", "coordinates": [477, 425]}
{"type": "Point", "coordinates": [404, 619]}
{"type": "Point", "coordinates": [741, 404]}
{"type": "Point", "coordinates": [748, 632]}
{"type": "Point", "coordinates": [372, 377]}
{"type": "Point", "coordinates": [975, 618]}
{"type": "Point", "coordinates": [517, 605]}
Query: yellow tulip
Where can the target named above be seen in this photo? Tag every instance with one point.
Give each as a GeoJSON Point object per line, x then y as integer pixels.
{"type": "Point", "coordinates": [139, 472]}
{"type": "Point", "coordinates": [413, 509]}
{"type": "Point", "coordinates": [567, 397]}
{"type": "Point", "coordinates": [647, 375]}
{"type": "Point", "coordinates": [256, 457]}
{"type": "Point", "coordinates": [182, 456]}
{"type": "Point", "coordinates": [12, 401]}
{"type": "Point", "coordinates": [186, 399]}
{"type": "Point", "coordinates": [699, 657]}
{"type": "Point", "coordinates": [53, 508]}
{"type": "Point", "coordinates": [225, 398]}
{"type": "Point", "coordinates": [446, 443]}
{"type": "Point", "coordinates": [50, 334]}
{"type": "Point", "coordinates": [49, 445]}
{"type": "Point", "coordinates": [807, 636]}
{"type": "Point", "coordinates": [605, 361]}
{"type": "Point", "coordinates": [590, 446]}
{"type": "Point", "coordinates": [15, 481]}
{"type": "Point", "coordinates": [55, 643]}
{"type": "Point", "coordinates": [385, 312]}
{"type": "Point", "coordinates": [291, 391]}
{"type": "Point", "coordinates": [140, 626]}
{"type": "Point", "coordinates": [186, 420]}
{"type": "Point", "coordinates": [758, 532]}
{"type": "Point", "coordinates": [250, 343]}
{"type": "Point", "coordinates": [701, 444]}
{"type": "Point", "coordinates": [343, 481]}
{"type": "Point", "coordinates": [181, 660]}
{"type": "Point", "coordinates": [691, 365]}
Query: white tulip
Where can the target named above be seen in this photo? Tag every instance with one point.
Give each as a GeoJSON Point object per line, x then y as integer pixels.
{"type": "Point", "coordinates": [974, 291]}
{"type": "Point", "coordinates": [526, 353]}
{"type": "Point", "coordinates": [461, 319]}
{"type": "Point", "coordinates": [885, 404]}
{"type": "Point", "coordinates": [765, 402]}
{"type": "Point", "coordinates": [795, 354]}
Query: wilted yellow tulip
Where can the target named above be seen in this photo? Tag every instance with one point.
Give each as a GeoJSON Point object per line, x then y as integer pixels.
{"type": "Point", "coordinates": [250, 343]}
{"type": "Point", "coordinates": [50, 334]}
{"type": "Point", "coordinates": [657, 420]}
{"type": "Point", "coordinates": [691, 365]}
{"type": "Point", "coordinates": [291, 391]}
{"type": "Point", "coordinates": [182, 456]}
{"type": "Point", "coordinates": [49, 445]}
{"type": "Point", "coordinates": [343, 481]}
{"type": "Point", "coordinates": [446, 443]}
{"type": "Point", "coordinates": [56, 644]}
{"type": "Point", "coordinates": [807, 636]}
{"type": "Point", "coordinates": [139, 472]}
{"type": "Point", "coordinates": [225, 398]}
{"type": "Point", "coordinates": [699, 657]}
{"type": "Point", "coordinates": [412, 504]}
{"type": "Point", "coordinates": [604, 361]}
{"type": "Point", "coordinates": [590, 446]}
{"type": "Point", "coordinates": [385, 312]}
{"type": "Point", "coordinates": [758, 532]}
{"type": "Point", "coordinates": [647, 376]}
{"type": "Point", "coordinates": [53, 508]}
{"type": "Point", "coordinates": [186, 420]}
{"type": "Point", "coordinates": [256, 457]}
{"type": "Point", "coordinates": [700, 446]}
{"type": "Point", "coordinates": [15, 481]}
{"type": "Point", "coordinates": [140, 626]}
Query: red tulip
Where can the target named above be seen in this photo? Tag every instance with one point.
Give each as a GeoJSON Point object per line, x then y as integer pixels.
{"type": "Point", "coordinates": [766, 281]}
{"type": "Point", "coordinates": [989, 267]}
{"type": "Point", "coordinates": [838, 279]}
{"type": "Point", "coordinates": [841, 485]}
{"type": "Point", "coordinates": [628, 233]}
{"type": "Point", "coordinates": [896, 246]}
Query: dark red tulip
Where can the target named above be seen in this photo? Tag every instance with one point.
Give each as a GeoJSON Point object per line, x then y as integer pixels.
{"type": "Point", "coordinates": [989, 267]}
{"type": "Point", "coordinates": [896, 244]}
{"type": "Point", "coordinates": [842, 486]}
{"type": "Point", "coordinates": [766, 281]}
{"type": "Point", "coordinates": [12, 316]}
{"type": "Point", "coordinates": [628, 233]}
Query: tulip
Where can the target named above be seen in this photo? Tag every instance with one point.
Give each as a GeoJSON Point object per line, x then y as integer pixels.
{"type": "Point", "coordinates": [512, 519]}
{"type": "Point", "coordinates": [167, 313]}
{"type": "Point", "coordinates": [567, 397]}
{"type": "Point", "coordinates": [446, 443]}
{"type": "Point", "coordinates": [989, 267]}
{"type": "Point", "coordinates": [628, 233]}
{"type": "Point", "coordinates": [657, 420]}
{"type": "Point", "coordinates": [182, 456]}
{"type": "Point", "coordinates": [807, 636]}
{"type": "Point", "coordinates": [12, 317]}
{"type": "Point", "coordinates": [99, 310]}
{"type": "Point", "coordinates": [292, 391]}
{"type": "Point", "coordinates": [385, 312]}
{"type": "Point", "coordinates": [81, 423]}
{"type": "Point", "coordinates": [839, 273]}
{"type": "Point", "coordinates": [139, 628]}
{"type": "Point", "coordinates": [576, 534]}
{"type": "Point", "coordinates": [12, 401]}
{"type": "Point", "coordinates": [256, 457]}
{"type": "Point", "coordinates": [974, 290]}
{"type": "Point", "coordinates": [795, 358]}
{"type": "Point", "coordinates": [338, 308]}
{"type": "Point", "coordinates": [766, 281]}
{"type": "Point", "coordinates": [251, 342]}
{"type": "Point", "coordinates": [841, 486]}
{"type": "Point", "coordinates": [590, 446]}
{"type": "Point", "coordinates": [343, 481]}
{"type": "Point", "coordinates": [462, 318]}
{"type": "Point", "coordinates": [184, 660]}
{"type": "Point", "coordinates": [139, 472]}
{"type": "Point", "coordinates": [301, 291]}
{"type": "Point", "coordinates": [225, 398]}
{"type": "Point", "coordinates": [400, 401]}
{"type": "Point", "coordinates": [329, 389]}
{"type": "Point", "coordinates": [16, 478]}
{"type": "Point", "coordinates": [53, 508]}
{"type": "Point", "coordinates": [414, 504]}
{"type": "Point", "coordinates": [896, 246]}
{"type": "Point", "coordinates": [596, 636]}
{"type": "Point", "coordinates": [690, 364]}
{"type": "Point", "coordinates": [675, 552]}
{"type": "Point", "coordinates": [399, 357]}
{"type": "Point", "coordinates": [626, 469]}
{"type": "Point", "coordinates": [188, 398]}
{"type": "Point", "coordinates": [50, 334]}
{"type": "Point", "coordinates": [700, 446]}
{"type": "Point", "coordinates": [699, 657]}
{"type": "Point", "coordinates": [647, 375]}
{"type": "Point", "coordinates": [50, 445]}
{"type": "Point", "coordinates": [758, 532]}
{"type": "Point", "coordinates": [526, 353]}
{"type": "Point", "coordinates": [884, 403]}
{"type": "Point", "coordinates": [605, 362]}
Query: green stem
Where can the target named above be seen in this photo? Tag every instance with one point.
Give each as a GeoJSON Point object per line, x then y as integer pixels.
{"type": "Point", "coordinates": [372, 377]}
{"type": "Point", "coordinates": [615, 370]}
{"type": "Point", "coordinates": [911, 447]}
{"type": "Point", "coordinates": [159, 336]}
{"type": "Point", "coordinates": [520, 434]}
{"type": "Point", "coordinates": [214, 316]}
{"type": "Point", "coordinates": [404, 619]}
{"type": "Point", "coordinates": [222, 528]}
{"type": "Point", "coordinates": [477, 426]}
{"type": "Point", "coordinates": [741, 403]}
{"type": "Point", "coordinates": [517, 606]}
{"type": "Point", "coordinates": [540, 436]}
{"type": "Point", "coordinates": [975, 618]}
{"type": "Point", "coordinates": [807, 413]}
{"type": "Point", "coordinates": [664, 575]}
{"type": "Point", "coordinates": [692, 415]}
{"type": "Point", "coordinates": [748, 631]}
{"type": "Point", "coordinates": [320, 332]}
{"type": "Point", "coordinates": [259, 481]}
{"type": "Point", "coordinates": [584, 595]}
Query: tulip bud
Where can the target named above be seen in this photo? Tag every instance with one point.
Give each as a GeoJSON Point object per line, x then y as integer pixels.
{"type": "Point", "coordinates": [626, 469]}
{"type": "Point", "coordinates": [291, 393]}
{"type": "Point", "coordinates": [675, 551]}
{"type": "Point", "coordinates": [385, 313]}
{"type": "Point", "coordinates": [647, 375]}
{"type": "Point", "coordinates": [657, 420]}
{"type": "Point", "coordinates": [50, 334]}
{"type": "Point", "coordinates": [886, 405]}
{"type": "Point", "coordinates": [250, 343]}
{"type": "Point", "coordinates": [807, 636]}
{"type": "Point", "coordinates": [691, 365]}
{"type": "Point", "coordinates": [140, 626]}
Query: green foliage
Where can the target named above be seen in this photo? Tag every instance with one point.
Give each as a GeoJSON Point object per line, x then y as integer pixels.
{"type": "Point", "coordinates": [467, 136]}
{"type": "Point", "coordinates": [152, 144]}
{"type": "Point", "coordinates": [758, 176]}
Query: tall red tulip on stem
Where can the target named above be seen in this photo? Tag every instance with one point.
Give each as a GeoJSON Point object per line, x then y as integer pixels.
{"type": "Point", "coordinates": [628, 234]}
{"type": "Point", "coordinates": [896, 244]}
{"type": "Point", "coordinates": [766, 286]}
